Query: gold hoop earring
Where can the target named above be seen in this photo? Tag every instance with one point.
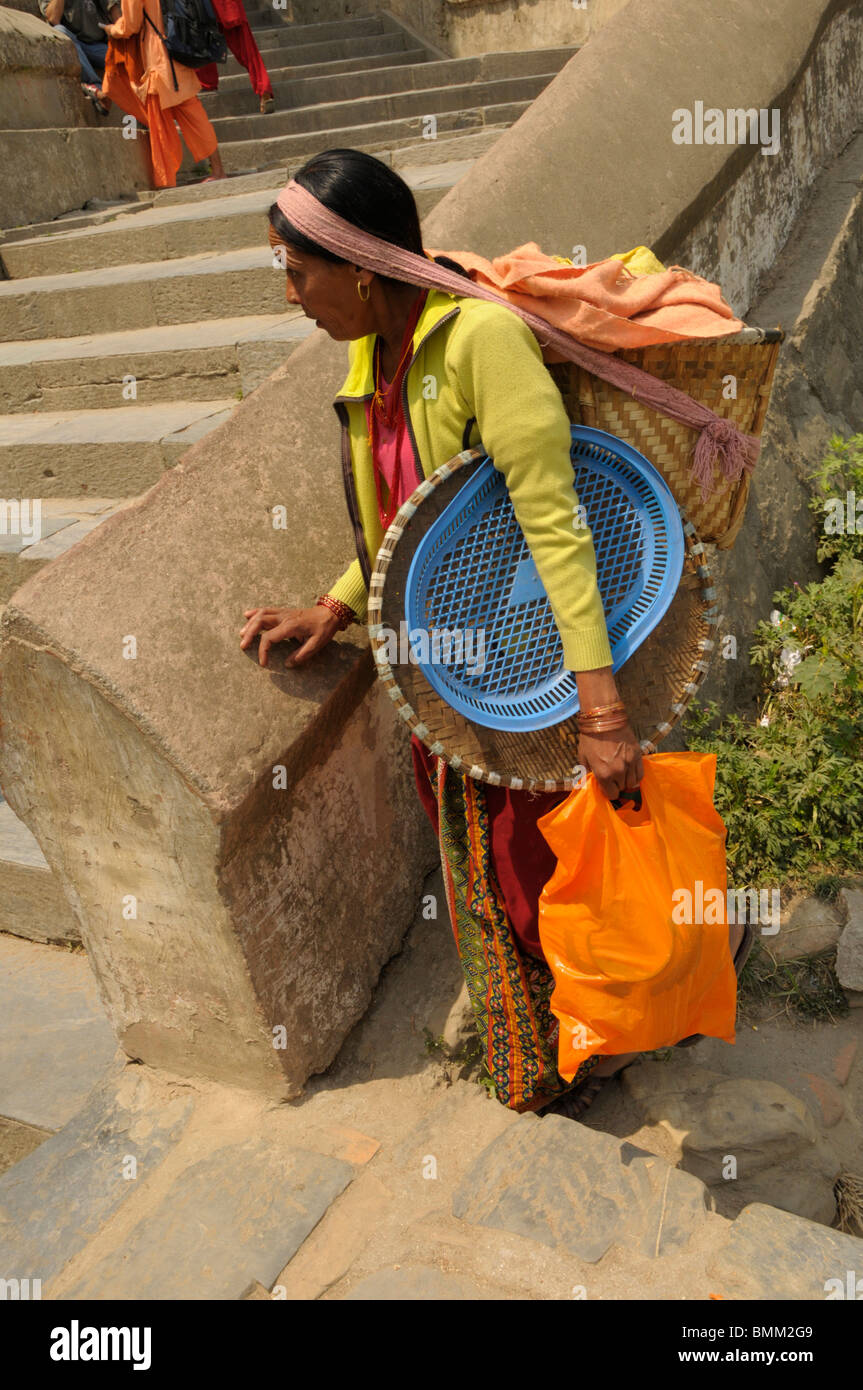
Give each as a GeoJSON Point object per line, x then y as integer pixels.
{"type": "Point", "coordinates": [360, 288]}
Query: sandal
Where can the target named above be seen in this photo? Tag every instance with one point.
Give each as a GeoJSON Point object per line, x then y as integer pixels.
{"type": "Point", "coordinates": [93, 92]}
{"type": "Point", "coordinates": [267, 105]}
{"type": "Point", "coordinates": [740, 959]}
{"type": "Point", "coordinates": [575, 1102]}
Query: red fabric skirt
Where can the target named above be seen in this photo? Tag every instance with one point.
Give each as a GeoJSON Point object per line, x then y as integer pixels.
{"type": "Point", "coordinates": [521, 859]}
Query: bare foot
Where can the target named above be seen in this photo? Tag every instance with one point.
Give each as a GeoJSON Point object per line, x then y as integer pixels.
{"type": "Point", "coordinates": [217, 168]}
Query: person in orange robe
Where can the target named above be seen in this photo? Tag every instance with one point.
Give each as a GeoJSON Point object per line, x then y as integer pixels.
{"type": "Point", "coordinates": [161, 95]}
{"type": "Point", "coordinates": [241, 41]}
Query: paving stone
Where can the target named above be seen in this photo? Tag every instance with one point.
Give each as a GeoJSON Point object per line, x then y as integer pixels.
{"type": "Point", "coordinates": [53, 1201]}
{"type": "Point", "coordinates": [55, 1041]}
{"type": "Point", "coordinates": [32, 904]}
{"type": "Point", "coordinates": [772, 1254]}
{"type": "Point", "coordinates": [561, 1184]}
{"type": "Point", "coordinates": [418, 1283]}
{"type": "Point", "coordinates": [14, 544]}
{"type": "Point", "coordinates": [234, 1217]}
{"type": "Point", "coordinates": [843, 1063]}
{"type": "Point", "coordinates": [17, 1140]}
{"type": "Point", "coordinates": [830, 1101]}
{"type": "Point", "coordinates": [63, 538]}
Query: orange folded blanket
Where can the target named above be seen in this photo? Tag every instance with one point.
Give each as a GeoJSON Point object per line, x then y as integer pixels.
{"type": "Point", "coordinates": [604, 305]}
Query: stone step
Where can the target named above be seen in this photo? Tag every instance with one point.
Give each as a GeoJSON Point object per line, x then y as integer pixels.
{"type": "Point", "coordinates": [55, 1040]}
{"type": "Point", "coordinates": [281, 54]}
{"type": "Point", "coordinates": [451, 145]}
{"type": "Point", "coordinates": [167, 231]}
{"type": "Point", "coordinates": [269, 29]}
{"type": "Point", "coordinates": [292, 95]}
{"type": "Point", "coordinates": [31, 904]}
{"type": "Point", "coordinates": [360, 112]}
{"type": "Point", "coordinates": [89, 215]}
{"type": "Point", "coordinates": [158, 233]}
{"type": "Point", "coordinates": [184, 290]}
{"type": "Point", "coordinates": [220, 358]}
{"type": "Point", "coordinates": [239, 81]}
{"type": "Point", "coordinates": [108, 453]}
{"type": "Point", "coordinates": [382, 136]}
{"type": "Point", "coordinates": [28, 544]}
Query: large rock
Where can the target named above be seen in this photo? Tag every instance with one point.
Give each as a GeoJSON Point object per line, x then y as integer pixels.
{"type": "Point", "coordinates": [849, 956]}
{"type": "Point", "coordinates": [568, 1186]}
{"type": "Point", "coordinates": [771, 1255]}
{"type": "Point", "coordinates": [749, 1141]}
{"type": "Point", "coordinates": [808, 925]}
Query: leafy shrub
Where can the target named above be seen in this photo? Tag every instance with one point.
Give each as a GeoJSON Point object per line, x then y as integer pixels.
{"type": "Point", "coordinates": [789, 784]}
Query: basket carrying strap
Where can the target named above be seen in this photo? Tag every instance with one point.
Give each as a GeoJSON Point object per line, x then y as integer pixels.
{"type": "Point", "coordinates": [167, 50]}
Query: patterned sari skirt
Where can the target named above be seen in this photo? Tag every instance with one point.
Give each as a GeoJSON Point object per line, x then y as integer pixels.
{"type": "Point", "coordinates": [495, 863]}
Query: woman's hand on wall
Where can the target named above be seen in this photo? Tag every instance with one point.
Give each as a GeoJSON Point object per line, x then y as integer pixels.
{"type": "Point", "coordinates": [314, 627]}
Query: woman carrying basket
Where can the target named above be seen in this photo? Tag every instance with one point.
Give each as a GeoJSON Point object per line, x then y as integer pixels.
{"type": "Point", "coordinates": [490, 384]}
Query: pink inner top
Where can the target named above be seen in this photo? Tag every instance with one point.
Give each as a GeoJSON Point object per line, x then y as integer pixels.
{"type": "Point", "coordinates": [386, 453]}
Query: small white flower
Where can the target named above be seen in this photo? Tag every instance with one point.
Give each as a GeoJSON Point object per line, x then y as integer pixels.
{"type": "Point", "coordinates": [764, 721]}
{"type": "Point", "coordinates": [775, 617]}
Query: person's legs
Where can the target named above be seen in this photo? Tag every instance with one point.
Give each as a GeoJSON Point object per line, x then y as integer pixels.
{"type": "Point", "coordinates": [198, 133]}
{"type": "Point", "coordinates": [166, 152]}
{"type": "Point", "coordinates": [88, 72]}
{"type": "Point", "coordinates": [97, 53]}
{"type": "Point", "coordinates": [241, 42]}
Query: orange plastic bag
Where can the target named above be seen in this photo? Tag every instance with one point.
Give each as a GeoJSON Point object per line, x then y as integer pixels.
{"type": "Point", "coordinates": [632, 974]}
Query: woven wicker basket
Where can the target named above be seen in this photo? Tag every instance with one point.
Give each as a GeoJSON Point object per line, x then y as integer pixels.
{"type": "Point", "coordinates": [657, 682]}
{"type": "Point", "coordinates": [662, 676]}
{"type": "Point", "coordinates": [701, 368]}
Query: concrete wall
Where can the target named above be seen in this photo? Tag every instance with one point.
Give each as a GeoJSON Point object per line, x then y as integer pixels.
{"type": "Point", "coordinates": [461, 28]}
{"type": "Point", "coordinates": [313, 884]}
{"type": "Point", "coordinates": [55, 152]}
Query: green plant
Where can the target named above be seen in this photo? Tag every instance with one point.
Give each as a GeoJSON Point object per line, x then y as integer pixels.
{"type": "Point", "coordinates": [837, 498]}
{"type": "Point", "coordinates": [807, 986]}
{"type": "Point", "coordinates": [827, 887]}
{"type": "Point", "coordinates": [789, 784]}
{"type": "Point", "coordinates": [470, 1058]}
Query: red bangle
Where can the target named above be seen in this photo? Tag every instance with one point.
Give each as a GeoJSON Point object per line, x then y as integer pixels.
{"type": "Point", "coordinates": [345, 615]}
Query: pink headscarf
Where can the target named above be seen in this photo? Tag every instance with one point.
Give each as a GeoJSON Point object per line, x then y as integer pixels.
{"type": "Point", "coordinates": [719, 439]}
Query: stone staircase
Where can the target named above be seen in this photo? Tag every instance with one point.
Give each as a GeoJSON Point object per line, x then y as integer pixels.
{"type": "Point", "coordinates": [129, 331]}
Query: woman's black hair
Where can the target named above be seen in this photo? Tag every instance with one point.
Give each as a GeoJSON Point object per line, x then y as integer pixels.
{"type": "Point", "coordinates": [365, 192]}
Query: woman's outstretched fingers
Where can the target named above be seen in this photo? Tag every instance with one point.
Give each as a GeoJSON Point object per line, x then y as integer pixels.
{"type": "Point", "coordinates": [280, 633]}
{"type": "Point", "coordinates": [258, 618]}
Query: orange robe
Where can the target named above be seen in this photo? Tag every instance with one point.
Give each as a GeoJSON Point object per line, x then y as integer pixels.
{"type": "Point", "coordinates": [139, 78]}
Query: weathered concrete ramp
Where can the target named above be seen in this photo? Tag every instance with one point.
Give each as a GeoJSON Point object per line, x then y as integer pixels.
{"type": "Point", "coordinates": [240, 846]}
{"type": "Point", "coordinates": [218, 896]}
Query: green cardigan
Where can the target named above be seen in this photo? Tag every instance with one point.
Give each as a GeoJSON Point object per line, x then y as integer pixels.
{"type": "Point", "coordinates": [477, 373]}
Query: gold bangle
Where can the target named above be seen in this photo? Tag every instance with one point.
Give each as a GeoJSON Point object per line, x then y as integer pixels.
{"type": "Point", "coordinates": [603, 726]}
{"type": "Point", "coordinates": [601, 709]}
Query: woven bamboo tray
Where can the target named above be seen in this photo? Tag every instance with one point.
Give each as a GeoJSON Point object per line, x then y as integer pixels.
{"type": "Point", "coordinates": [657, 683]}
{"type": "Point", "coordinates": [702, 369]}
